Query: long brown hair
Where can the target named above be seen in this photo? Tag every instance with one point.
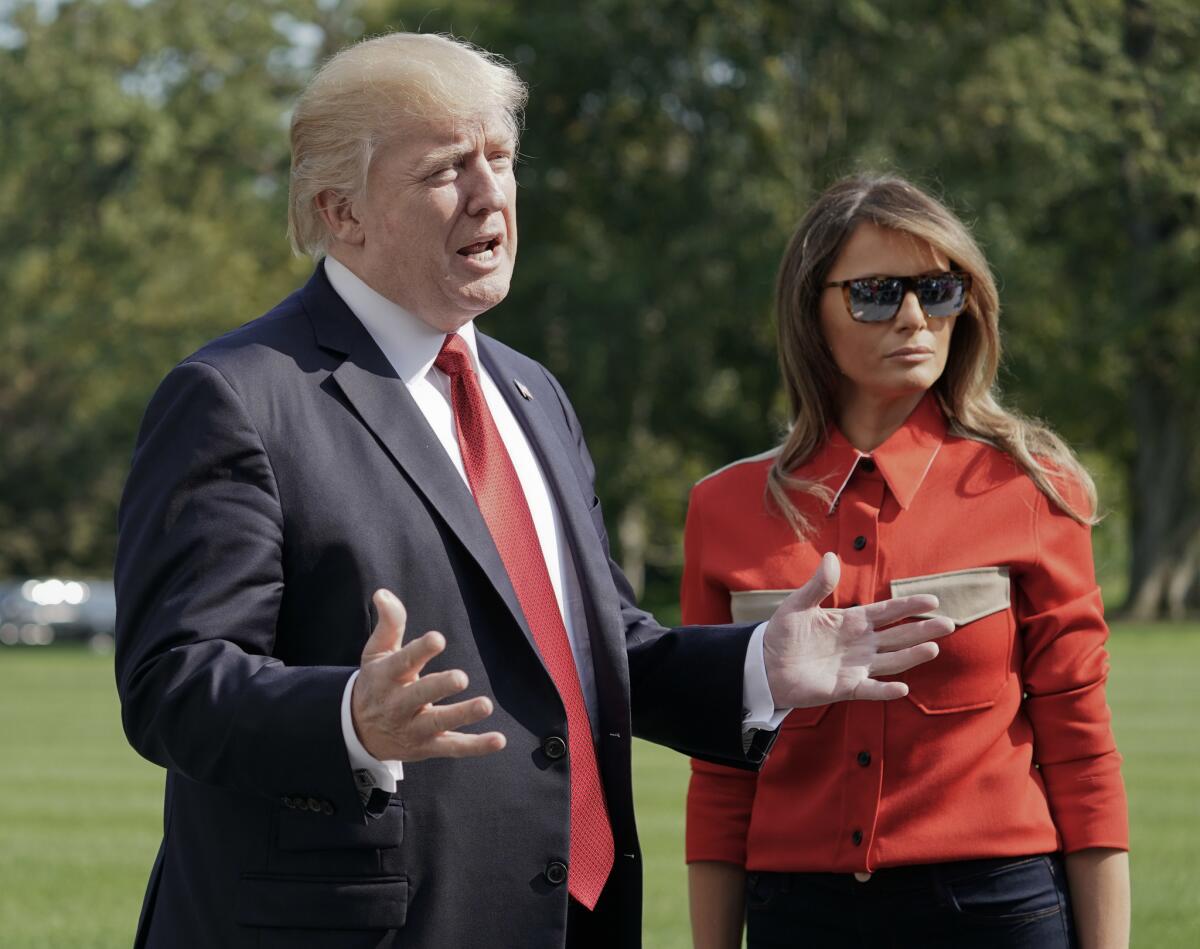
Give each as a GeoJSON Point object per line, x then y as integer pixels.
{"type": "Point", "coordinates": [965, 390]}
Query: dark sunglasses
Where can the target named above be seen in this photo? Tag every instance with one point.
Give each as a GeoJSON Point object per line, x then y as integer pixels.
{"type": "Point", "coordinates": [878, 299]}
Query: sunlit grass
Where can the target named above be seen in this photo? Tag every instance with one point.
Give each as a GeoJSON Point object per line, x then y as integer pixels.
{"type": "Point", "coordinates": [80, 812]}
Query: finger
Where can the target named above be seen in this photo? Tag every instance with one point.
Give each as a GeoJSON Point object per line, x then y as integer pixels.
{"type": "Point", "coordinates": [435, 719]}
{"type": "Point", "coordinates": [909, 634]}
{"type": "Point", "coordinates": [872, 690]}
{"type": "Point", "coordinates": [460, 745]}
{"type": "Point", "coordinates": [891, 663]}
{"type": "Point", "coordinates": [406, 664]}
{"type": "Point", "coordinates": [388, 633]}
{"type": "Point", "coordinates": [818, 587]}
{"type": "Point", "coordinates": [432, 688]}
{"type": "Point", "coordinates": [890, 611]}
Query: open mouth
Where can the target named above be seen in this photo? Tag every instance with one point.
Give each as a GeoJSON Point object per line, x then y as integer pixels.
{"type": "Point", "coordinates": [481, 251]}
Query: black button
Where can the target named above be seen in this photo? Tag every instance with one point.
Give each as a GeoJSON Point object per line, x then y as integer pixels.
{"type": "Point", "coordinates": [556, 873]}
{"type": "Point", "coordinates": [326, 808]}
{"type": "Point", "coordinates": [860, 542]}
{"type": "Point", "coordinates": [864, 758]}
{"type": "Point", "coordinates": [314, 805]}
{"type": "Point", "coordinates": [867, 464]}
{"type": "Point", "coordinates": [554, 747]}
{"type": "Point", "coordinates": [856, 837]}
{"type": "Point", "coordinates": [289, 802]}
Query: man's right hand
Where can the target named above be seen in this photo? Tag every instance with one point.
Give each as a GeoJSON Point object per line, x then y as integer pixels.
{"type": "Point", "coordinates": [392, 704]}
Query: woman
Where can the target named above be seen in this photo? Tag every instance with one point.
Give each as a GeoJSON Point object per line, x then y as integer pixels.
{"type": "Point", "coordinates": [986, 808]}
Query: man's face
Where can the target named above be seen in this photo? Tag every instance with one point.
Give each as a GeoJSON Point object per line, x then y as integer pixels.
{"type": "Point", "coordinates": [439, 219]}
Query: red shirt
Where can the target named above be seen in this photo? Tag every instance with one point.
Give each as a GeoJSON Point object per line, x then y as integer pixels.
{"type": "Point", "coordinates": [1003, 745]}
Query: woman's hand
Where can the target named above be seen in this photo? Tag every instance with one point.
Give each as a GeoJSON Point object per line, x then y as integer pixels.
{"type": "Point", "coordinates": [1098, 879]}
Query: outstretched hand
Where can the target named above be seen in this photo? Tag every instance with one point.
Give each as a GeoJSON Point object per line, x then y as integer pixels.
{"type": "Point", "coordinates": [814, 656]}
{"type": "Point", "coordinates": [392, 704]}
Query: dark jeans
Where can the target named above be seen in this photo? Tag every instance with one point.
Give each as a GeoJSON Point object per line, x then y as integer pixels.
{"type": "Point", "coordinates": [1006, 903]}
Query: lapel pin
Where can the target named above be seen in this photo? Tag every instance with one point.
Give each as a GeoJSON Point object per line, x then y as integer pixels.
{"type": "Point", "coordinates": [525, 393]}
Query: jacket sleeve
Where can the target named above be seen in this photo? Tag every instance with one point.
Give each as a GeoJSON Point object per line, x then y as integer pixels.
{"type": "Point", "coordinates": [685, 684]}
{"type": "Point", "coordinates": [1065, 668]}
{"type": "Point", "coordinates": [199, 581]}
{"type": "Point", "coordinates": [719, 799]}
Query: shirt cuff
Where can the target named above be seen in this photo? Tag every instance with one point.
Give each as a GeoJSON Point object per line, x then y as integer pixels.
{"type": "Point", "coordinates": [758, 707]}
{"type": "Point", "coordinates": [369, 772]}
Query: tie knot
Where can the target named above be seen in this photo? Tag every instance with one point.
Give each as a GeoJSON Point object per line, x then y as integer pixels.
{"type": "Point", "coordinates": [453, 358]}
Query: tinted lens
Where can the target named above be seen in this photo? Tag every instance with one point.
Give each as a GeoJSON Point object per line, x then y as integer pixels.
{"type": "Point", "coordinates": [942, 294]}
{"type": "Point", "coordinates": [875, 299]}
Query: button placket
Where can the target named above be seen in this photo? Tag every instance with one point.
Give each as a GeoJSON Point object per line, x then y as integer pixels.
{"type": "Point", "coordinates": [862, 771]}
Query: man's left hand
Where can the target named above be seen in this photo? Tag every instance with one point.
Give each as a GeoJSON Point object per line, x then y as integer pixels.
{"type": "Point", "coordinates": [814, 656]}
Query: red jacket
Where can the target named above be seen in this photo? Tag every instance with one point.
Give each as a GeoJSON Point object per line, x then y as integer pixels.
{"type": "Point", "coordinates": [1003, 745]}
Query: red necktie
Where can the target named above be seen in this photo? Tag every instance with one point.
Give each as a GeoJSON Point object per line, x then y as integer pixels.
{"type": "Point", "coordinates": [502, 502]}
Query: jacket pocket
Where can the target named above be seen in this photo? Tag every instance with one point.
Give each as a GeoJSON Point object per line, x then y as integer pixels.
{"type": "Point", "coordinates": [755, 606]}
{"type": "Point", "coordinates": [299, 830]}
{"type": "Point", "coordinates": [345, 903]}
{"type": "Point", "coordinates": [974, 661]}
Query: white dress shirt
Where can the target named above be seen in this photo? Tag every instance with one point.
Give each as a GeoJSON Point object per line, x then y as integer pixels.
{"type": "Point", "coordinates": [411, 346]}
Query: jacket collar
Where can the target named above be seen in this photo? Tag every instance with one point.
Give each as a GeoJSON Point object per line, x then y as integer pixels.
{"type": "Point", "coordinates": [903, 460]}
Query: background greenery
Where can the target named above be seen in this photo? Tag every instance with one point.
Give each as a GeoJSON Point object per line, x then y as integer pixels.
{"type": "Point", "coordinates": [80, 813]}
{"type": "Point", "coordinates": [670, 147]}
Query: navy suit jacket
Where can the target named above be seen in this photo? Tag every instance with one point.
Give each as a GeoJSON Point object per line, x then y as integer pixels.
{"type": "Point", "coordinates": [281, 475]}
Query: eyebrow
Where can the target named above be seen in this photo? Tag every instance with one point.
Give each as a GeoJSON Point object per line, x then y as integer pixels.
{"type": "Point", "coordinates": [449, 154]}
{"type": "Point", "coordinates": [441, 156]}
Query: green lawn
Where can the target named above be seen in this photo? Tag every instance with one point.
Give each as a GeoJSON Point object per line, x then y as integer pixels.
{"type": "Point", "coordinates": [79, 812]}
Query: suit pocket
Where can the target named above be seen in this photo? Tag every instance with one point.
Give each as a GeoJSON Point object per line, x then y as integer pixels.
{"type": "Point", "coordinates": [271, 901]}
{"type": "Point", "coordinates": [300, 830]}
{"type": "Point", "coordinates": [974, 661]}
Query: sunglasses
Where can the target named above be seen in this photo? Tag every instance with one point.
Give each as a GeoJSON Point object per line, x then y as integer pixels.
{"type": "Point", "coordinates": [878, 299]}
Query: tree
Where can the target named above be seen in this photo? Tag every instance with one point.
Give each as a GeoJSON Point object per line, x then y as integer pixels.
{"type": "Point", "coordinates": [143, 165]}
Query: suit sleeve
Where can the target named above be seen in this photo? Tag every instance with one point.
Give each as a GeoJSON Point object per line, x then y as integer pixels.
{"type": "Point", "coordinates": [1065, 670]}
{"type": "Point", "coordinates": [199, 582]}
{"type": "Point", "coordinates": [685, 684]}
{"type": "Point", "coordinates": [719, 799]}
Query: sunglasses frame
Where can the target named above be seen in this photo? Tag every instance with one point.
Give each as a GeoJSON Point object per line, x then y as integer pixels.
{"type": "Point", "coordinates": [909, 285]}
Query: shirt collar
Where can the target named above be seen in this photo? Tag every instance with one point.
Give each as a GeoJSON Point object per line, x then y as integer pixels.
{"type": "Point", "coordinates": [903, 460]}
{"type": "Point", "coordinates": [409, 343]}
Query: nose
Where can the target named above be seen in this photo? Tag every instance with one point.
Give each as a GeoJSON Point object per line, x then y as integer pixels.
{"type": "Point", "coordinates": [910, 315]}
{"type": "Point", "coordinates": [487, 192]}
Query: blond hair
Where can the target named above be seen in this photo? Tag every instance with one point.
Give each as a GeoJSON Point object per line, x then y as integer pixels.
{"type": "Point", "coordinates": [965, 390]}
{"type": "Point", "coordinates": [367, 95]}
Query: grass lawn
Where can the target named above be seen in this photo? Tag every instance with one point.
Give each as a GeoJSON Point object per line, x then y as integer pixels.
{"type": "Point", "coordinates": [79, 811]}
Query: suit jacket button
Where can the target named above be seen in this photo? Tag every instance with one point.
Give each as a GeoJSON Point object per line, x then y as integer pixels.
{"type": "Point", "coordinates": [554, 747]}
{"type": "Point", "coordinates": [289, 802]}
{"type": "Point", "coordinates": [314, 805]}
{"type": "Point", "coordinates": [326, 808]}
{"type": "Point", "coordinates": [556, 873]}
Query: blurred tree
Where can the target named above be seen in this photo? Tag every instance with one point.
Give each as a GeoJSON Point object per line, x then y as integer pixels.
{"type": "Point", "coordinates": [670, 147]}
{"type": "Point", "coordinates": [143, 160]}
{"type": "Point", "coordinates": [1074, 130]}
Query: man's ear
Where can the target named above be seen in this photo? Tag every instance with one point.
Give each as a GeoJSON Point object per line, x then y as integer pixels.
{"type": "Point", "coordinates": [338, 212]}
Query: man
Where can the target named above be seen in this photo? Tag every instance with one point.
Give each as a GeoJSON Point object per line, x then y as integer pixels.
{"type": "Point", "coordinates": [360, 437]}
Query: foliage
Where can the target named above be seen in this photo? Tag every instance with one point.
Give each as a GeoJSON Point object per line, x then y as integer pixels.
{"type": "Point", "coordinates": [670, 146]}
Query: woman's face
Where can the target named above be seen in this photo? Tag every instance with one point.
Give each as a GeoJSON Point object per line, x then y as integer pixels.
{"type": "Point", "coordinates": [893, 359]}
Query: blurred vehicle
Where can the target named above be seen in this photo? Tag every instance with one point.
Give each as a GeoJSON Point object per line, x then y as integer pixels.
{"type": "Point", "coordinates": [38, 612]}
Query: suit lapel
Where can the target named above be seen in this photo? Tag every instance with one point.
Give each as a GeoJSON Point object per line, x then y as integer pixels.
{"type": "Point", "coordinates": [386, 408]}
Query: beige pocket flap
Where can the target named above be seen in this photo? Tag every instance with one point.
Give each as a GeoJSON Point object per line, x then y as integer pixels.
{"type": "Point", "coordinates": [755, 606]}
{"type": "Point", "coordinates": [963, 595]}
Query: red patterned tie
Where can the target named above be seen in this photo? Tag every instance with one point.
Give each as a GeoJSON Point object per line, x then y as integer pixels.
{"type": "Point", "coordinates": [502, 502]}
